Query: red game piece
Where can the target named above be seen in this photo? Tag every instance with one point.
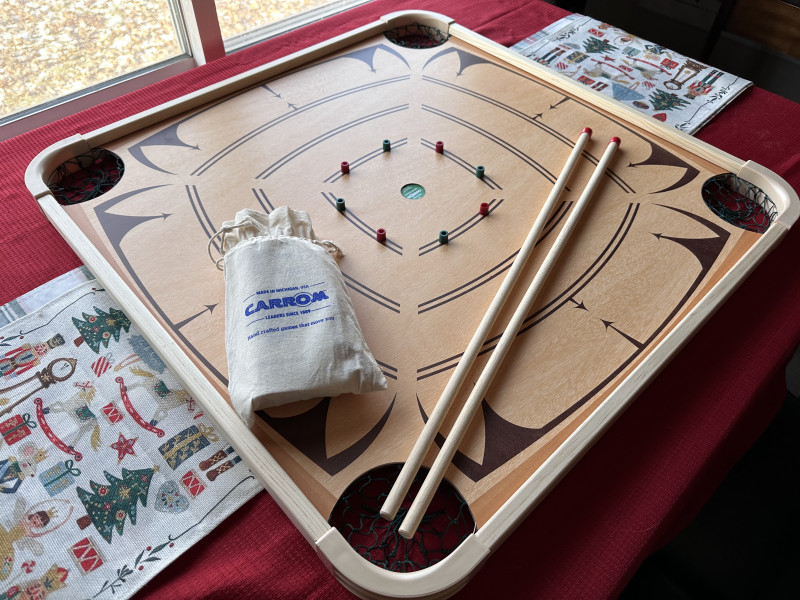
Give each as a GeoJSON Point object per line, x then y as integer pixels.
{"type": "Point", "coordinates": [484, 210]}
{"type": "Point", "coordinates": [380, 235]}
{"type": "Point", "coordinates": [440, 147]}
{"type": "Point", "coordinates": [616, 140]}
{"type": "Point", "coordinates": [587, 130]}
{"type": "Point", "coordinates": [345, 167]}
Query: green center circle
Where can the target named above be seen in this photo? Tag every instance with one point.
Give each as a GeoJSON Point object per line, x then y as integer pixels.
{"type": "Point", "coordinates": [412, 191]}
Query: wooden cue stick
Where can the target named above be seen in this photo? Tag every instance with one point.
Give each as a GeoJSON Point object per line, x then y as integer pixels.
{"type": "Point", "coordinates": [400, 488]}
{"type": "Point", "coordinates": [436, 473]}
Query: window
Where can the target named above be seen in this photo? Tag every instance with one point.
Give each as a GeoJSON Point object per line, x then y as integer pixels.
{"type": "Point", "coordinates": [245, 22]}
{"type": "Point", "coordinates": [63, 56]}
{"type": "Point", "coordinates": [60, 48]}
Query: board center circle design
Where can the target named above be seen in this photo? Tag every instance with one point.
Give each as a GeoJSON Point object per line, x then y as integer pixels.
{"type": "Point", "coordinates": [412, 191]}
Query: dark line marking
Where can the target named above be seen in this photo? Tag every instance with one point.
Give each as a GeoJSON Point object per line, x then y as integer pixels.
{"type": "Point", "coordinates": [358, 283]}
{"type": "Point", "coordinates": [581, 282]}
{"type": "Point", "coordinates": [328, 134]}
{"type": "Point", "coordinates": [383, 364]}
{"type": "Point", "coordinates": [466, 225]}
{"type": "Point", "coordinates": [389, 367]}
{"type": "Point", "coordinates": [556, 218]}
{"type": "Point", "coordinates": [553, 221]}
{"type": "Point", "coordinates": [212, 227]}
{"type": "Point", "coordinates": [484, 274]}
{"type": "Point", "coordinates": [488, 181]}
{"type": "Point", "coordinates": [705, 263]}
{"type": "Point", "coordinates": [501, 105]}
{"type": "Point", "coordinates": [441, 362]}
{"type": "Point", "coordinates": [209, 309]}
{"type": "Point", "coordinates": [196, 204]}
{"type": "Point", "coordinates": [565, 98]}
{"type": "Point", "coordinates": [616, 178]}
{"type": "Point", "coordinates": [536, 123]}
{"type": "Point", "coordinates": [362, 226]}
{"type": "Point", "coordinates": [262, 195]}
{"type": "Point", "coordinates": [337, 175]}
{"type": "Point", "coordinates": [579, 305]}
{"type": "Point", "coordinates": [450, 295]}
{"type": "Point", "coordinates": [363, 293]}
{"type": "Point", "coordinates": [630, 217]}
{"type": "Point", "coordinates": [447, 368]}
{"type": "Point", "coordinates": [451, 236]}
{"type": "Point", "coordinates": [278, 120]}
{"type": "Point", "coordinates": [493, 138]}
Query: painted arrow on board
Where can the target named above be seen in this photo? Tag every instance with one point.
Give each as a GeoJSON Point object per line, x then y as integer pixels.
{"type": "Point", "coordinates": [662, 157]}
{"type": "Point", "coordinates": [306, 432]}
{"type": "Point", "coordinates": [465, 59]}
{"type": "Point", "coordinates": [165, 137]}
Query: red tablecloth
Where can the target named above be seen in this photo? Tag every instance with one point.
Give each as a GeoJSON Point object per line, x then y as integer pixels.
{"type": "Point", "coordinates": [635, 489]}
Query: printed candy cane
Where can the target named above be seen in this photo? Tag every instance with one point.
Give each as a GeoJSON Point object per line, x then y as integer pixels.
{"type": "Point", "coordinates": [123, 392]}
{"type": "Point", "coordinates": [52, 436]}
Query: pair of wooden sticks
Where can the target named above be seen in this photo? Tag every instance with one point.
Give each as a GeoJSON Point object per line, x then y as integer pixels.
{"type": "Point", "coordinates": [436, 474]}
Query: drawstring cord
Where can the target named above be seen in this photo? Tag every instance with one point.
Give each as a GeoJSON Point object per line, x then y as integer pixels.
{"type": "Point", "coordinates": [331, 247]}
{"type": "Point", "coordinates": [218, 262]}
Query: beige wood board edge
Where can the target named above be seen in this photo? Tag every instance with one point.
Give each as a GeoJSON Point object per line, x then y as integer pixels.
{"type": "Point", "coordinates": [558, 464]}
{"type": "Point", "coordinates": [305, 517]}
{"type": "Point", "coordinates": [437, 581]}
{"type": "Point", "coordinates": [40, 168]}
{"type": "Point", "coordinates": [423, 17]}
{"type": "Point", "coordinates": [777, 189]}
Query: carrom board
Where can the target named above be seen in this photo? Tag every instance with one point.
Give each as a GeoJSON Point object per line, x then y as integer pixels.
{"type": "Point", "coordinates": [647, 265]}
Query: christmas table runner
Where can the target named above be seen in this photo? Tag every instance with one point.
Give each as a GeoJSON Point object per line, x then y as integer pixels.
{"type": "Point", "coordinates": [108, 468]}
{"type": "Point", "coordinates": [668, 86]}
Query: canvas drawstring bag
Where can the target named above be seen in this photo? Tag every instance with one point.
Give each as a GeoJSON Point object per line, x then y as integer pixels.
{"type": "Point", "coordinates": [290, 329]}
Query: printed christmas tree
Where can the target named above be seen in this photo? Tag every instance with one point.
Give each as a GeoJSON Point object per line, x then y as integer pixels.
{"type": "Point", "coordinates": [108, 505]}
{"type": "Point", "coordinates": [100, 328]}
{"type": "Point", "coordinates": [596, 45]}
{"type": "Point", "coordinates": [665, 101]}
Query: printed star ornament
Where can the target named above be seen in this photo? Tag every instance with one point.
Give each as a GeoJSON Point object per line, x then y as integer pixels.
{"type": "Point", "coordinates": [124, 446]}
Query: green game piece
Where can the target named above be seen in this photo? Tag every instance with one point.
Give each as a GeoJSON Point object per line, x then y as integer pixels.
{"type": "Point", "coordinates": [387, 145]}
{"type": "Point", "coordinates": [479, 170]}
{"type": "Point", "coordinates": [443, 237]}
{"type": "Point", "coordinates": [340, 204]}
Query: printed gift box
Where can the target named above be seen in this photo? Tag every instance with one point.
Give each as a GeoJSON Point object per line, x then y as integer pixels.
{"type": "Point", "coordinates": [183, 445]}
{"type": "Point", "coordinates": [59, 477]}
{"type": "Point", "coordinates": [16, 428]}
